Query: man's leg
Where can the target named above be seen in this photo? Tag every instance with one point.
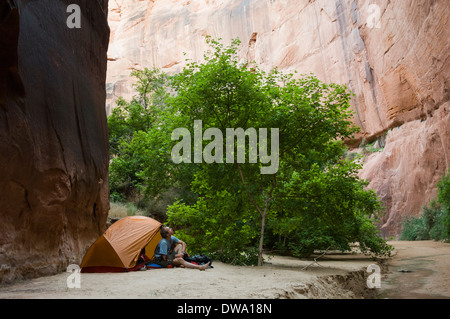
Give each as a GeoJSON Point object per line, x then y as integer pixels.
{"type": "Point", "coordinates": [178, 250]}
{"type": "Point", "coordinates": [183, 263]}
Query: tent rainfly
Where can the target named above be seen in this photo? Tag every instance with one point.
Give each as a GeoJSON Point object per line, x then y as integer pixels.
{"type": "Point", "coordinates": [119, 248]}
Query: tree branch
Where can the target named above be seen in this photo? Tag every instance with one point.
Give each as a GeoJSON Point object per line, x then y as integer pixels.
{"type": "Point", "coordinates": [315, 260]}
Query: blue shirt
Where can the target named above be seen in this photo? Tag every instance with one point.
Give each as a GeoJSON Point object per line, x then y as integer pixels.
{"type": "Point", "coordinates": [164, 246]}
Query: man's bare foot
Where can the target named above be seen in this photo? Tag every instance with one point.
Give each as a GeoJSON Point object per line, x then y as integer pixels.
{"type": "Point", "coordinates": [203, 267]}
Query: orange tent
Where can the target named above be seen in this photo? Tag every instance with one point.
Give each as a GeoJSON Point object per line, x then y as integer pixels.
{"type": "Point", "coordinates": [119, 248]}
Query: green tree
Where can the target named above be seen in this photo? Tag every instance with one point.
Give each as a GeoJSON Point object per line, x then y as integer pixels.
{"type": "Point", "coordinates": [313, 184]}
{"type": "Point", "coordinates": [142, 112]}
{"type": "Point", "coordinates": [140, 144]}
{"type": "Point", "coordinates": [300, 186]}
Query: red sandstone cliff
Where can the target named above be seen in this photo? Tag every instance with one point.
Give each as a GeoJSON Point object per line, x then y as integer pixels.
{"type": "Point", "coordinates": [392, 54]}
{"type": "Point", "coordinates": [54, 194]}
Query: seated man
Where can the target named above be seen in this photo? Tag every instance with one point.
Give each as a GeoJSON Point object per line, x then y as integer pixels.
{"type": "Point", "coordinates": [164, 257]}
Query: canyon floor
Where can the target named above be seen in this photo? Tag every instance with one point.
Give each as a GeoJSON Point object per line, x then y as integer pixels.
{"type": "Point", "coordinates": [416, 270]}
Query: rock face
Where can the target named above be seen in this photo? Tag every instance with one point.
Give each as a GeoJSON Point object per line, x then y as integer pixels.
{"type": "Point", "coordinates": [406, 171]}
{"type": "Point", "coordinates": [392, 54]}
{"type": "Point", "coordinates": [53, 135]}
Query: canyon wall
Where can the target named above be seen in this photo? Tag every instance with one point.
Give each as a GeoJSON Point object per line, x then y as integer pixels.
{"type": "Point", "coordinates": [54, 194]}
{"type": "Point", "coordinates": [392, 54]}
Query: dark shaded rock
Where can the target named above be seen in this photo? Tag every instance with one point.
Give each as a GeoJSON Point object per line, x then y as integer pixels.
{"type": "Point", "coordinates": [54, 194]}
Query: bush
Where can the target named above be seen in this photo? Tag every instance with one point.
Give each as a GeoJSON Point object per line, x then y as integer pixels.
{"type": "Point", "coordinates": [368, 148]}
{"type": "Point", "coordinates": [217, 228]}
{"type": "Point", "coordinates": [121, 210]}
{"type": "Point", "coordinates": [433, 216]}
{"type": "Point", "coordinates": [414, 229]}
{"type": "Point", "coordinates": [434, 221]}
{"type": "Point", "coordinates": [444, 200]}
{"type": "Point", "coordinates": [246, 257]}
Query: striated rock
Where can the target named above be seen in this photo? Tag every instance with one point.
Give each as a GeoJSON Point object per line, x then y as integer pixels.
{"type": "Point", "coordinates": [398, 71]}
{"type": "Point", "coordinates": [405, 173]}
{"type": "Point", "coordinates": [53, 135]}
{"type": "Point", "coordinates": [392, 54]}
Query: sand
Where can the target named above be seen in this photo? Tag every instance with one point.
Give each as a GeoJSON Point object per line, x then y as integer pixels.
{"type": "Point", "coordinates": [417, 270]}
{"type": "Point", "coordinates": [335, 276]}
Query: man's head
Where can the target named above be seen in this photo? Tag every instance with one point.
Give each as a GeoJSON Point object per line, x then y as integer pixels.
{"type": "Point", "coordinates": [166, 231]}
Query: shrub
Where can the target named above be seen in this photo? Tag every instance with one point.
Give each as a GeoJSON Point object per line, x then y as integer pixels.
{"type": "Point", "coordinates": [246, 257]}
{"type": "Point", "coordinates": [444, 200]}
{"type": "Point", "coordinates": [414, 229]}
{"type": "Point", "coordinates": [434, 221]}
{"type": "Point", "coordinates": [121, 210]}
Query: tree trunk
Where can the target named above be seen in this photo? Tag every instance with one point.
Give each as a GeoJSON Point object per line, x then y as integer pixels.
{"type": "Point", "coordinates": [261, 213]}
{"type": "Point", "coordinates": [261, 238]}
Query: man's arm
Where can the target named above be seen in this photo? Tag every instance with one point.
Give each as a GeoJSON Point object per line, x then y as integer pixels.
{"type": "Point", "coordinates": [163, 249]}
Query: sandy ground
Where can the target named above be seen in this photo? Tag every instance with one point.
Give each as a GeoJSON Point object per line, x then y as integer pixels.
{"type": "Point", "coordinates": [417, 270]}
{"type": "Point", "coordinates": [336, 276]}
